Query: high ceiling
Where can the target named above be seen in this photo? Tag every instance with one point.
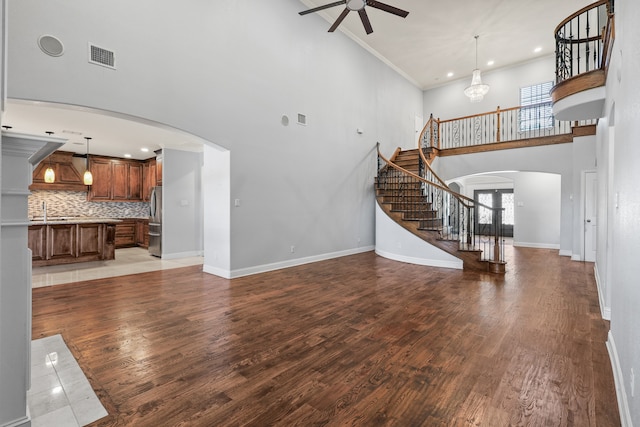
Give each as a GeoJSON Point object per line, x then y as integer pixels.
{"type": "Point", "coordinates": [432, 46]}
{"type": "Point", "coordinates": [437, 37]}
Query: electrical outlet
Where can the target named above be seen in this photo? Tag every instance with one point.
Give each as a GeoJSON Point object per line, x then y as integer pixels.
{"type": "Point", "coordinates": [293, 249]}
{"type": "Point", "coordinates": [632, 380]}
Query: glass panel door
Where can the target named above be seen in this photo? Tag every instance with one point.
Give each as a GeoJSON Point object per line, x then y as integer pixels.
{"type": "Point", "coordinates": [499, 199]}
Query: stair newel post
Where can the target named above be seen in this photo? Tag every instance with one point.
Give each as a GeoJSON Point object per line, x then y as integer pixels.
{"type": "Point", "coordinates": [430, 124]}
{"type": "Point", "coordinates": [469, 219]}
{"type": "Point", "coordinates": [497, 218]}
{"type": "Point", "coordinates": [498, 124]}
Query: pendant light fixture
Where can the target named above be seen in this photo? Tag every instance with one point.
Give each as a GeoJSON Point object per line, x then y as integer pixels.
{"type": "Point", "coordinates": [49, 174]}
{"type": "Point", "coordinates": [88, 177]}
{"type": "Point", "coordinates": [477, 90]}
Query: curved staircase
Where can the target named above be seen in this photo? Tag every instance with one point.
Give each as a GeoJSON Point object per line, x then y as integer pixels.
{"type": "Point", "coordinates": [432, 211]}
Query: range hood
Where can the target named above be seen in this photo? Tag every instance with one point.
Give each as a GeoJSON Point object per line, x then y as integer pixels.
{"type": "Point", "coordinates": [67, 176]}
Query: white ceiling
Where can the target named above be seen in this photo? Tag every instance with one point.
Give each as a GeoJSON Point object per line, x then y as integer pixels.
{"type": "Point", "coordinates": [436, 38]}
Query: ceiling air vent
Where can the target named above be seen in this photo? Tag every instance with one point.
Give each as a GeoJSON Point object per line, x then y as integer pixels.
{"type": "Point", "coordinates": [302, 119]}
{"type": "Point", "coordinates": [101, 56]}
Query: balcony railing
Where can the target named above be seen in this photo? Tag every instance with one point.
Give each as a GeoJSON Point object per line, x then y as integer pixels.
{"type": "Point", "coordinates": [583, 40]}
{"type": "Point", "coordinates": [501, 125]}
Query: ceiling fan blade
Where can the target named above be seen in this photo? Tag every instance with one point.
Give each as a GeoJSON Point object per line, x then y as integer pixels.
{"type": "Point", "coordinates": [343, 15]}
{"type": "Point", "coordinates": [326, 6]}
{"type": "Point", "coordinates": [365, 21]}
{"type": "Point", "coordinates": [387, 8]}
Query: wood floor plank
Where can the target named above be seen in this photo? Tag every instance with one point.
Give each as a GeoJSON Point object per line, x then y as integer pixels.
{"type": "Point", "coordinates": [359, 340]}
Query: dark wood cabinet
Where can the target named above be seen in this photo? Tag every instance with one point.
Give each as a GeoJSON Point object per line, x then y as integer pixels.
{"type": "Point", "coordinates": [102, 179]}
{"type": "Point", "coordinates": [37, 238]}
{"type": "Point", "coordinates": [110, 241]}
{"type": "Point", "coordinates": [142, 233]}
{"type": "Point", "coordinates": [126, 233]}
{"type": "Point", "coordinates": [90, 240]}
{"type": "Point", "coordinates": [148, 178]}
{"type": "Point", "coordinates": [61, 241]}
{"type": "Point", "coordinates": [120, 187]}
{"type": "Point", "coordinates": [159, 162]}
{"type": "Point", "coordinates": [115, 180]}
{"type": "Point", "coordinates": [135, 181]}
{"type": "Point", "coordinates": [71, 242]}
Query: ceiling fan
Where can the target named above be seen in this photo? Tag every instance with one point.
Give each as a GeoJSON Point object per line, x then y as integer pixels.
{"type": "Point", "coordinates": [358, 6]}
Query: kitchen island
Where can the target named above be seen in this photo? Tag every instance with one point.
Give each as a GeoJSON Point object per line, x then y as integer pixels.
{"type": "Point", "coordinates": [66, 240]}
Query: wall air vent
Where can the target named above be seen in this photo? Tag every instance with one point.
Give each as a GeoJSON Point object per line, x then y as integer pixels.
{"type": "Point", "coordinates": [101, 56]}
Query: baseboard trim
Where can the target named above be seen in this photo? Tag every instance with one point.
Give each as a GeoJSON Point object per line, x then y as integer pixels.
{"type": "Point", "coordinates": [20, 422]}
{"type": "Point", "coordinates": [618, 378]}
{"type": "Point", "coordinates": [233, 274]}
{"type": "Point", "coordinates": [576, 258]}
{"type": "Point", "coordinates": [604, 310]}
{"type": "Point", "coordinates": [565, 252]}
{"type": "Point", "coordinates": [421, 261]}
{"type": "Point", "coordinates": [225, 274]}
{"type": "Point", "coordinates": [536, 245]}
{"type": "Point", "coordinates": [178, 255]}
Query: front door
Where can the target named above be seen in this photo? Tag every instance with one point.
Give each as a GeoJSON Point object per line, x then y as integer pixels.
{"type": "Point", "coordinates": [498, 199]}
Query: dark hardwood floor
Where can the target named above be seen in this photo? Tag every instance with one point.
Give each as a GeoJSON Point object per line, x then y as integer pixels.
{"type": "Point", "coordinates": [359, 340]}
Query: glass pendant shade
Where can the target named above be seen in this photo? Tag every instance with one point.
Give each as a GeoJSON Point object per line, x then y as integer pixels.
{"type": "Point", "coordinates": [49, 175]}
{"type": "Point", "coordinates": [87, 178]}
{"type": "Point", "coordinates": [477, 90]}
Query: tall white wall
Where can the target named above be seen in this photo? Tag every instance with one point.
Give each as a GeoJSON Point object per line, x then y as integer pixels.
{"type": "Point", "coordinates": [617, 261]}
{"type": "Point", "coordinates": [182, 204]}
{"type": "Point", "coordinates": [448, 101]}
{"type": "Point", "coordinates": [227, 72]}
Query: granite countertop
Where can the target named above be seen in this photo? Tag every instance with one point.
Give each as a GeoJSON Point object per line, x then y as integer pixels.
{"type": "Point", "coordinates": [72, 220]}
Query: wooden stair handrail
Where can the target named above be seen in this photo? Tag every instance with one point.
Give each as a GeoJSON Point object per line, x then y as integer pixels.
{"type": "Point", "coordinates": [458, 196]}
{"type": "Point", "coordinates": [579, 12]}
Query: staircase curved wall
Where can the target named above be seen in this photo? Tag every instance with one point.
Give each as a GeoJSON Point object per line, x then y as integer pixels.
{"type": "Point", "coordinates": [396, 243]}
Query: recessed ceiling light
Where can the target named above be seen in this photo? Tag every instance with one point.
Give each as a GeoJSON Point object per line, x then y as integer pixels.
{"type": "Point", "coordinates": [127, 155]}
{"type": "Point", "coordinates": [490, 63]}
{"type": "Point", "coordinates": [144, 149]}
{"type": "Point", "coordinates": [450, 74]}
{"type": "Point", "coordinates": [538, 49]}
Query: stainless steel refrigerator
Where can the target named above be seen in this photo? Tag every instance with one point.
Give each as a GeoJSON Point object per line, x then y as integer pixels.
{"type": "Point", "coordinates": [155, 222]}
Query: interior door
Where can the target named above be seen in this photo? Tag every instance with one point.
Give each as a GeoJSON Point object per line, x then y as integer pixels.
{"type": "Point", "coordinates": [590, 215]}
{"type": "Point", "coordinates": [502, 198]}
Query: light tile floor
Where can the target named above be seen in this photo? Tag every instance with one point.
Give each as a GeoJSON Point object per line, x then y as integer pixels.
{"type": "Point", "coordinates": [127, 261]}
{"type": "Point", "coordinates": [60, 393]}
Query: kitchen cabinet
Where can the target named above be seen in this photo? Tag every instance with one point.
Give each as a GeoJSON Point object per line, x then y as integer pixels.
{"type": "Point", "coordinates": [126, 233]}
{"type": "Point", "coordinates": [37, 242]}
{"type": "Point", "coordinates": [148, 178]}
{"type": "Point", "coordinates": [159, 167]}
{"type": "Point", "coordinates": [90, 239]}
{"type": "Point", "coordinates": [142, 233]}
{"type": "Point", "coordinates": [114, 179]}
{"type": "Point", "coordinates": [61, 241]}
{"type": "Point", "coordinates": [102, 179]}
{"type": "Point", "coordinates": [64, 242]}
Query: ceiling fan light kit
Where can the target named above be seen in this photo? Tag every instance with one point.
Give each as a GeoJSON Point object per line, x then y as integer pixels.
{"type": "Point", "coordinates": [360, 7]}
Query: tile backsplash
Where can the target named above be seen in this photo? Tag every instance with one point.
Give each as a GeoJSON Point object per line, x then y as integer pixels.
{"type": "Point", "coordinates": [75, 203]}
